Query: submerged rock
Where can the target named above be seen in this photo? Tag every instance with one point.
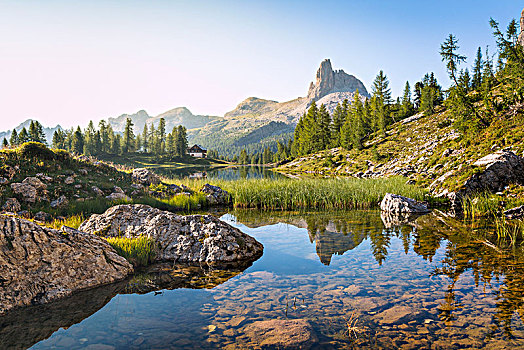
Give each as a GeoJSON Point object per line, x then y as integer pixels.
{"type": "Point", "coordinates": [395, 203]}
{"type": "Point", "coordinates": [190, 239]}
{"type": "Point", "coordinates": [145, 176]}
{"type": "Point", "coordinates": [282, 334]}
{"type": "Point", "coordinates": [40, 264]}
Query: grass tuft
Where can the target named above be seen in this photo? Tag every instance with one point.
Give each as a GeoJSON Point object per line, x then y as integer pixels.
{"type": "Point", "coordinates": [140, 251]}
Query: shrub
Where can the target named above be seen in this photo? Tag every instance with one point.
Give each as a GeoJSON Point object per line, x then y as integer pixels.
{"type": "Point", "coordinates": [35, 150]}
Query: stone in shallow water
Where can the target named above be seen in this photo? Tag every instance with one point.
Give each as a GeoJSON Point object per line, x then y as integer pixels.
{"type": "Point", "coordinates": [282, 334]}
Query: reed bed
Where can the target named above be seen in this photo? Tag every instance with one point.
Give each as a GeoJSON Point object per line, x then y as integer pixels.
{"type": "Point", "coordinates": [140, 251]}
{"type": "Point", "coordinates": [487, 205]}
{"type": "Point", "coordinates": [313, 193]}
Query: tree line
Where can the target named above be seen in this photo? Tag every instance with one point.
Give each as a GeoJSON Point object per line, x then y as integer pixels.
{"type": "Point", "coordinates": [104, 140]}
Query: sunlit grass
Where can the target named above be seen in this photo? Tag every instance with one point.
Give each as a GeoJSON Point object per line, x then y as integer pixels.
{"type": "Point", "coordinates": [289, 194]}
{"type": "Point", "coordinates": [140, 251]}
{"type": "Point", "coordinates": [73, 221]}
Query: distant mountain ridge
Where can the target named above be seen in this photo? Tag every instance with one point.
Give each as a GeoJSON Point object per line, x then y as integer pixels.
{"type": "Point", "coordinates": [173, 117]}
{"type": "Point", "coordinates": [48, 131]}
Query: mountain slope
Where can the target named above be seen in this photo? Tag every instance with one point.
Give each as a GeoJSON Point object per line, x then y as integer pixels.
{"type": "Point", "coordinates": [238, 126]}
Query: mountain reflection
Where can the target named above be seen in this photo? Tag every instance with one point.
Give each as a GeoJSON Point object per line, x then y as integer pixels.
{"type": "Point", "coordinates": [468, 248]}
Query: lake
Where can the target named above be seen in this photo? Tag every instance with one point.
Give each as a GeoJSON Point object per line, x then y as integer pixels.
{"type": "Point", "coordinates": [220, 173]}
{"type": "Point", "coordinates": [351, 279]}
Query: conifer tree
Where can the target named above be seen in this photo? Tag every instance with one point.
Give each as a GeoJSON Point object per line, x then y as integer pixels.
{"type": "Point", "coordinates": [23, 136]}
{"type": "Point", "coordinates": [338, 121]}
{"type": "Point", "coordinates": [477, 71]}
{"type": "Point", "coordinates": [381, 101]}
{"type": "Point", "coordinates": [407, 105]}
{"type": "Point", "coordinates": [181, 141]}
{"type": "Point", "coordinates": [128, 142]}
{"type": "Point", "coordinates": [13, 140]}
{"type": "Point", "coordinates": [59, 138]}
{"type": "Point", "coordinates": [77, 142]}
{"type": "Point", "coordinates": [161, 136]}
{"type": "Point", "coordinates": [242, 159]}
{"type": "Point", "coordinates": [5, 143]}
{"type": "Point", "coordinates": [145, 138]}
{"type": "Point", "coordinates": [324, 121]}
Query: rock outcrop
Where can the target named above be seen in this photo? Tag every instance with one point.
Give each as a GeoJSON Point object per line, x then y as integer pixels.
{"type": "Point", "coordinates": [521, 35]}
{"type": "Point", "coordinates": [500, 169]}
{"type": "Point", "coordinates": [145, 176]}
{"type": "Point", "coordinates": [11, 205]}
{"type": "Point", "coordinates": [183, 239]}
{"type": "Point", "coordinates": [394, 203]}
{"type": "Point", "coordinates": [41, 264]}
{"type": "Point", "coordinates": [329, 81]}
{"type": "Point", "coordinates": [215, 195]}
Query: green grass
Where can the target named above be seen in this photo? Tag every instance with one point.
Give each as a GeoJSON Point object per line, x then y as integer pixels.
{"type": "Point", "coordinates": [140, 251]}
{"type": "Point", "coordinates": [312, 193]}
{"type": "Point", "coordinates": [488, 205]}
{"type": "Point", "coordinates": [73, 221]}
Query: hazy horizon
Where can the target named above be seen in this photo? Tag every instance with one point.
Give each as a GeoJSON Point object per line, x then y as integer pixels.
{"type": "Point", "coordinates": [67, 63]}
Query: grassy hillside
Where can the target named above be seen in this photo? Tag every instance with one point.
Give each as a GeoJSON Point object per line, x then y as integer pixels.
{"type": "Point", "coordinates": [426, 149]}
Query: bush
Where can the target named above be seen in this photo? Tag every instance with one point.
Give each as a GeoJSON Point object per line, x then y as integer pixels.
{"type": "Point", "coordinates": [35, 150]}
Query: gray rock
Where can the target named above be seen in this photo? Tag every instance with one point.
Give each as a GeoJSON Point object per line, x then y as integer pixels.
{"type": "Point", "coordinates": [189, 239]}
{"type": "Point", "coordinates": [215, 195]}
{"type": "Point", "coordinates": [41, 264]}
{"type": "Point", "coordinates": [42, 217]}
{"type": "Point", "coordinates": [69, 180]}
{"type": "Point", "coordinates": [116, 196]}
{"type": "Point", "coordinates": [59, 202]}
{"type": "Point", "coordinates": [97, 191]}
{"type": "Point", "coordinates": [35, 182]}
{"type": "Point", "coordinates": [515, 213]}
{"type": "Point", "coordinates": [500, 169]}
{"type": "Point", "coordinates": [329, 81]}
{"type": "Point", "coordinates": [145, 176]}
{"type": "Point", "coordinates": [26, 192]}
{"type": "Point", "coordinates": [11, 205]}
{"type": "Point", "coordinates": [3, 181]}
{"type": "Point", "coordinates": [395, 203]}
{"type": "Point", "coordinates": [117, 189]}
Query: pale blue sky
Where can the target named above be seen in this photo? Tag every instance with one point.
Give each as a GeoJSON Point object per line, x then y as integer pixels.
{"type": "Point", "coordinates": [71, 61]}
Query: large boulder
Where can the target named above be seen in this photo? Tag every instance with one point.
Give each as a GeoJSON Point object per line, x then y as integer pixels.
{"type": "Point", "coordinates": [394, 203]}
{"type": "Point", "coordinates": [40, 264]}
{"type": "Point", "coordinates": [25, 191]}
{"type": "Point", "coordinates": [499, 170]}
{"type": "Point", "coordinates": [187, 239]}
{"type": "Point", "coordinates": [35, 182]}
{"type": "Point", "coordinates": [215, 195]}
{"type": "Point", "coordinates": [145, 176]}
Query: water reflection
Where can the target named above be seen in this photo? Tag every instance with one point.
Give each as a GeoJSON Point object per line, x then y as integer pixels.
{"type": "Point", "coordinates": [431, 282]}
{"type": "Point", "coordinates": [220, 173]}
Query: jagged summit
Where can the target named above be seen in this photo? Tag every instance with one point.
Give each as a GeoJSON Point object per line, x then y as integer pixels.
{"type": "Point", "coordinates": [329, 81]}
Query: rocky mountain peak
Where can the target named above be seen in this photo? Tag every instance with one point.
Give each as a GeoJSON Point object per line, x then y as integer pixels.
{"type": "Point", "coordinates": [329, 81]}
{"type": "Point", "coordinates": [521, 36]}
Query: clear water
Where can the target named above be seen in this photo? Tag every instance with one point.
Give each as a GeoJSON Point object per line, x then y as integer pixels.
{"type": "Point", "coordinates": [224, 173]}
{"type": "Point", "coordinates": [431, 284]}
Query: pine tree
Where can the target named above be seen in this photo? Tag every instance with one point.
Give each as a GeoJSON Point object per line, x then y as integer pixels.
{"type": "Point", "coordinates": [145, 139]}
{"type": "Point", "coordinates": [338, 121]}
{"type": "Point", "coordinates": [59, 138]}
{"type": "Point", "coordinates": [128, 141]}
{"type": "Point", "coordinates": [242, 159]}
{"type": "Point", "coordinates": [381, 100]}
{"type": "Point", "coordinates": [477, 71]}
{"type": "Point", "coordinates": [407, 105]}
{"type": "Point", "coordinates": [324, 121]}
{"type": "Point", "coordinates": [33, 135]}
{"type": "Point", "coordinates": [5, 143]}
{"type": "Point", "coordinates": [23, 136]}
{"type": "Point", "coordinates": [77, 142]}
{"type": "Point", "coordinates": [358, 131]}
{"type": "Point", "coordinates": [181, 141]}
{"type": "Point", "coordinates": [89, 139]}
{"type": "Point", "coordinates": [13, 140]}
{"type": "Point", "coordinates": [161, 136]}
